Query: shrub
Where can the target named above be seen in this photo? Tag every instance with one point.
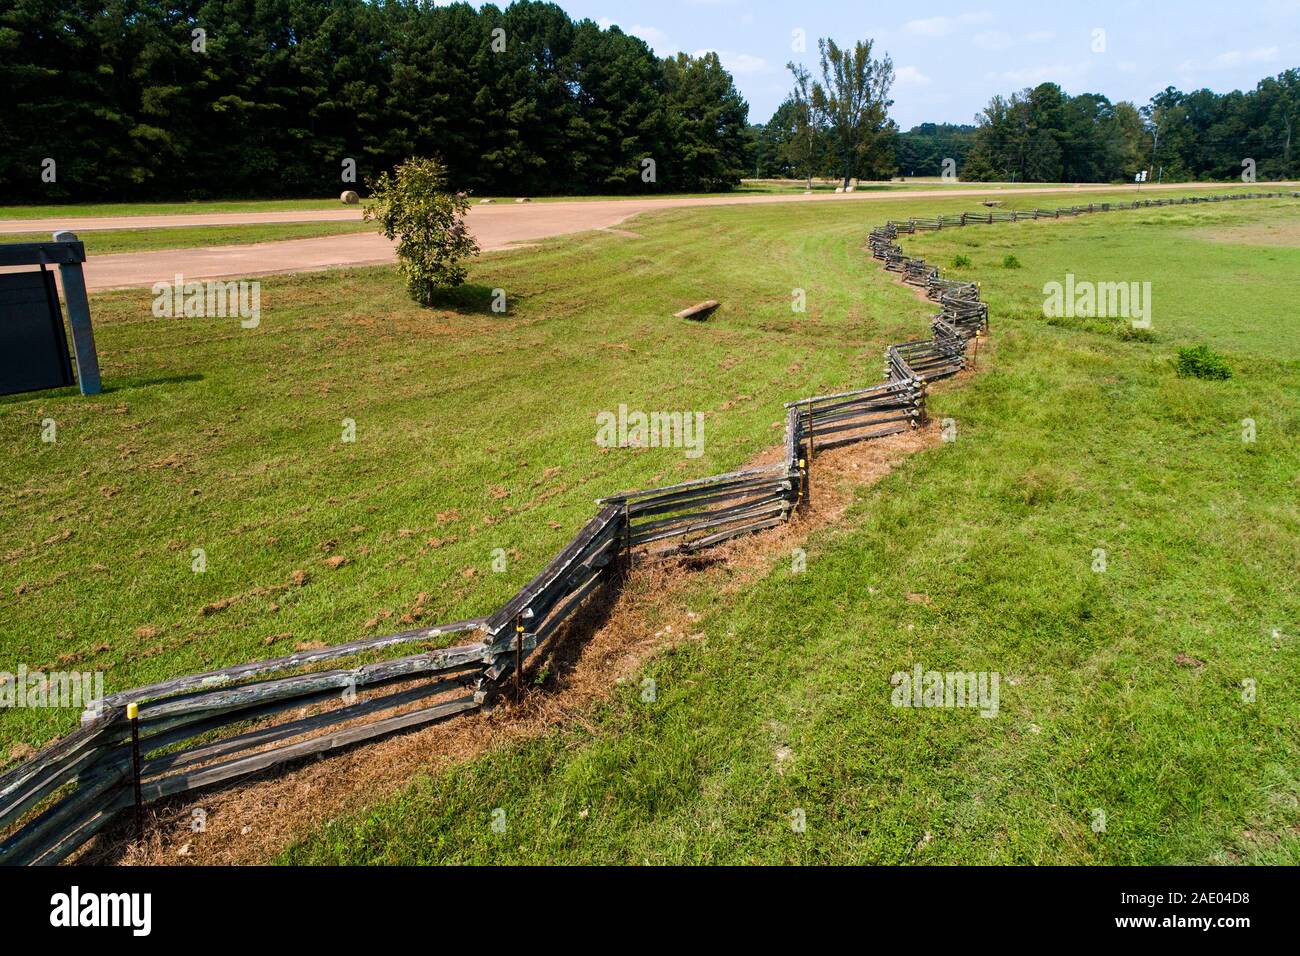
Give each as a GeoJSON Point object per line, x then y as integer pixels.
{"type": "Point", "coordinates": [414, 207]}
{"type": "Point", "coordinates": [1010, 262]}
{"type": "Point", "coordinates": [1199, 361]}
{"type": "Point", "coordinates": [960, 262]}
{"type": "Point", "coordinates": [1127, 333]}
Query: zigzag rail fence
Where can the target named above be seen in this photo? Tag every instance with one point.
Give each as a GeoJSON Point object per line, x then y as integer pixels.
{"type": "Point", "coordinates": [202, 730]}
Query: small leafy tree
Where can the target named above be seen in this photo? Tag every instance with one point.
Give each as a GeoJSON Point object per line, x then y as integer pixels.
{"type": "Point", "coordinates": [414, 207]}
{"type": "Point", "coordinates": [804, 147]}
{"type": "Point", "coordinates": [1200, 361]}
{"type": "Point", "coordinates": [853, 101]}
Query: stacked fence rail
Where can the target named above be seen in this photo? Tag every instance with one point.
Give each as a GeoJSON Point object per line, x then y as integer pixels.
{"type": "Point", "coordinates": [203, 730]}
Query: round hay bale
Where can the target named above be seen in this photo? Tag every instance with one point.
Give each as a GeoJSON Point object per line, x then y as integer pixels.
{"type": "Point", "coordinates": [349, 197]}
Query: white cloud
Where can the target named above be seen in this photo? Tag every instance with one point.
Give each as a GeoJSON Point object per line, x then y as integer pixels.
{"type": "Point", "coordinates": [992, 40]}
{"type": "Point", "coordinates": [1033, 75]}
{"type": "Point", "coordinates": [945, 26]}
{"type": "Point", "coordinates": [1189, 69]}
{"type": "Point", "coordinates": [738, 64]}
{"type": "Point", "coordinates": [658, 39]}
{"type": "Point", "coordinates": [910, 76]}
{"type": "Point", "coordinates": [1239, 57]}
{"type": "Point", "coordinates": [653, 35]}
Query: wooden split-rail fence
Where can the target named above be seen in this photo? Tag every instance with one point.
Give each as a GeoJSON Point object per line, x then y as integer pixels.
{"type": "Point", "coordinates": [202, 730]}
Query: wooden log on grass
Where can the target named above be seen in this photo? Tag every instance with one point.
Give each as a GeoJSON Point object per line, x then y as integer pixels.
{"type": "Point", "coordinates": [700, 311]}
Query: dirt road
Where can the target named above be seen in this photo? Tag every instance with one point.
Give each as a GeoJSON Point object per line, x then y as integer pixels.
{"type": "Point", "coordinates": [495, 226]}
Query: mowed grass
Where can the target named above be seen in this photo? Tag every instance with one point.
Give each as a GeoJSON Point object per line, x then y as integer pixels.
{"type": "Point", "coordinates": [474, 431]}
{"type": "Point", "coordinates": [228, 439]}
{"type": "Point", "coordinates": [104, 242]}
{"type": "Point", "coordinates": [1109, 747]}
{"type": "Point", "coordinates": [165, 208]}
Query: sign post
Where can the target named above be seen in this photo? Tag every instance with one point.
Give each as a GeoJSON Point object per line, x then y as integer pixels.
{"type": "Point", "coordinates": [83, 335]}
{"type": "Point", "coordinates": [34, 355]}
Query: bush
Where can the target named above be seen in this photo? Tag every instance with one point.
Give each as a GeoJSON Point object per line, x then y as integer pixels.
{"type": "Point", "coordinates": [1200, 362]}
{"type": "Point", "coordinates": [414, 207]}
{"type": "Point", "coordinates": [1127, 333]}
{"type": "Point", "coordinates": [1010, 262]}
{"type": "Point", "coordinates": [960, 262]}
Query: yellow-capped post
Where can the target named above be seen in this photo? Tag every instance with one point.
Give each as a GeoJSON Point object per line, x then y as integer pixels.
{"type": "Point", "coordinates": [133, 715]}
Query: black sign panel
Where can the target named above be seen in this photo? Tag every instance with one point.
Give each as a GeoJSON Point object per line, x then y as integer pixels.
{"type": "Point", "coordinates": [33, 346]}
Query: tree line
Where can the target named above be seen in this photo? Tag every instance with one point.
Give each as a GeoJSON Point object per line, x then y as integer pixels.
{"type": "Point", "coordinates": [174, 99]}
{"type": "Point", "coordinates": [177, 99]}
{"type": "Point", "coordinates": [1043, 134]}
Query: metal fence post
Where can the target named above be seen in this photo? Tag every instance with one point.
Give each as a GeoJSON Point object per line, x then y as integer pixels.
{"type": "Point", "coordinates": [83, 335]}
{"type": "Point", "coordinates": [519, 659]}
{"type": "Point", "coordinates": [133, 715]}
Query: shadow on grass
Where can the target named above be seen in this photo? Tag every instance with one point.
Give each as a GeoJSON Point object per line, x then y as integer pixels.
{"type": "Point", "coordinates": [64, 391]}
{"type": "Point", "coordinates": [473, 299]}
{"type": "Point", "coordinates": [71, 391]}
{"type": "Point", "coordinates": [129, 384]}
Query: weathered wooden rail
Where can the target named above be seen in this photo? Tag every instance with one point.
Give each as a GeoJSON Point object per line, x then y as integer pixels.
{"type": "Point", "coordinates": [208, 729]}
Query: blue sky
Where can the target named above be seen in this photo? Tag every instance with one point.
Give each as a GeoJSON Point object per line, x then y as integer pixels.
{"type": "Point", "coordinates": [951, 57]}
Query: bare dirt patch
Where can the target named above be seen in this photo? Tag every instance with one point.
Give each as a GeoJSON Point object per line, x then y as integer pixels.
{"type": "Point", "coordinates": [1283, 233]}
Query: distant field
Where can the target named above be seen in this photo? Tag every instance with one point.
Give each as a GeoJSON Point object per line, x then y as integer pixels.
{"type": "Point", "coordinates": [295, 205]}
{"type": "Point", "coordinates": [475, 432]}
{"type": "Point", "coordinates": [752, 187]}
{"type": "Point", "coordinates": [747, 187]}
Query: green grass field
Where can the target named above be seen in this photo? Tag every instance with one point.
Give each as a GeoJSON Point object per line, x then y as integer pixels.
{"type": "Point", "coordinates": [104, 242]}
{"type": "Point", "coordinates": [166, 208]}
{"type": "Point", "coordinates": [475, 431]}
